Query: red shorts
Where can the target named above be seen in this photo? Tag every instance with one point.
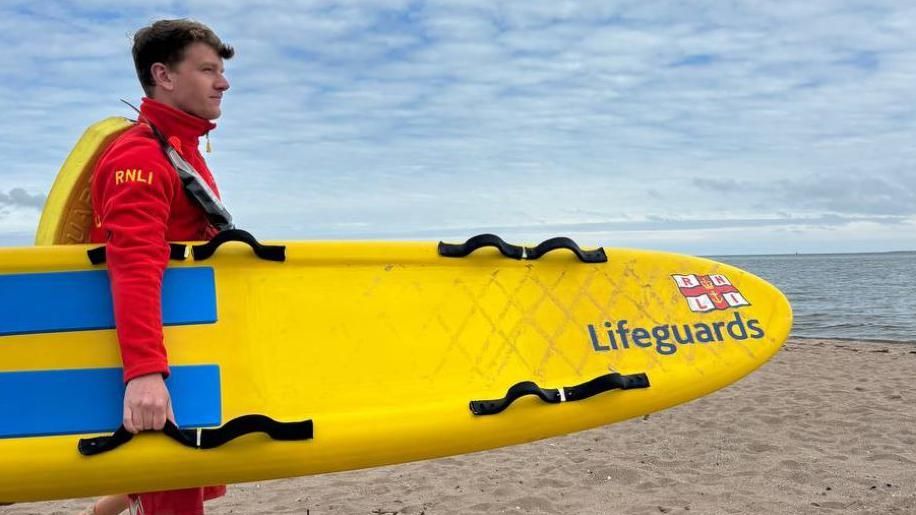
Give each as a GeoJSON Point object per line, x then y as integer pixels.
{"type": "Point", "coordinates": [189, 501]}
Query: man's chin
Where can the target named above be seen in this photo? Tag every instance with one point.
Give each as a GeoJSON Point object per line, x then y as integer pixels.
{"type": "Point", "coordinates": [207, 114]}
{"type": "Point", "coordinates": [213, 114]}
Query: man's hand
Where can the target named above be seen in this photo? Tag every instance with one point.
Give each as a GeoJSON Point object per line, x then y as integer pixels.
{"type": "Point", "coordinates": [147, 404]}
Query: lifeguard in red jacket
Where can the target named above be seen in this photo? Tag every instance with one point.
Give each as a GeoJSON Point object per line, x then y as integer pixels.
{"type": "Point", "coordinates": [140, 205]}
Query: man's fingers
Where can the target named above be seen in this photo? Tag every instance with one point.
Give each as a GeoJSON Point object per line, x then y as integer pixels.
{"type": "Point", "coordinates": [128, 421]}
{"type": "Point", "coordinates": [159, 419]}
{"type": "Point", "coordinates": [171, 413]}
{"type": "Point", "coordinates": [146, 403]}
{"type": "Point", "coordinates": [148, 418]}
{"type": "Point", "coordinates": [138, 418]}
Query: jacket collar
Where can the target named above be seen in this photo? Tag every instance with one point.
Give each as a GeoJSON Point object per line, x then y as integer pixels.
{"type": "Point", "coordinates": [174, 122]}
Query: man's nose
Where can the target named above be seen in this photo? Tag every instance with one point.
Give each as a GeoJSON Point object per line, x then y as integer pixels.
{"type": "Point", "coordinates": [222, 83]}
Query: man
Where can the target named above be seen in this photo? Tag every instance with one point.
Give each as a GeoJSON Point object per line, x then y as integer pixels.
{"type": "Point", "coordinates": [180, 66]}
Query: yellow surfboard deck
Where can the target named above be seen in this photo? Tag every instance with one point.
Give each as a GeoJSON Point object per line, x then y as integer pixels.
{"type": "Point", "coordinates": [382, 345]}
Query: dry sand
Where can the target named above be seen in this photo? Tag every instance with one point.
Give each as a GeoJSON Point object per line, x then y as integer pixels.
{"type": "Point", "coordinates": [825, 427]}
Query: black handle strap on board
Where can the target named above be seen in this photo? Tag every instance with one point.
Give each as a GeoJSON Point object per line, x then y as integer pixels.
{"type": "Point", "coordinates": [458, 250]}
{"type": "Point", "coordinates": [562, 242]}
{"type": "Point", "coordinates": [207, 438]}
{"type": "Point", "coordinates": [266, 252]}
{"type": "Point", "coordinates": [177, 252]}
{"type": "Point", "coordinates": [585, 390]}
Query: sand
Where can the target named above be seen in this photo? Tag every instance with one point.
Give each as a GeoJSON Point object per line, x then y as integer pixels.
{"type": "Point", "coordinates": [824, 427]}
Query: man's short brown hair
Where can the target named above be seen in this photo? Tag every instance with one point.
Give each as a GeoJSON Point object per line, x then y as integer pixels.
{"type": "Point", "coordinates": [165, 42]}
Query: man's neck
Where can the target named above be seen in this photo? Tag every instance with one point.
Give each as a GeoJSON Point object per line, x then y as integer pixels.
{"type": "Point", "coordinates": [163, 98]}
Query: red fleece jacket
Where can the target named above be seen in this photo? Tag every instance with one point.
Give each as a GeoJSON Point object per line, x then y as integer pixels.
{"type": "Point", "coordinates": [140, 205]}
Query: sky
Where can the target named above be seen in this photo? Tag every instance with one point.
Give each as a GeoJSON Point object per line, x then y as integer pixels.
{"type": "Point", "coordinates": [708, 127]}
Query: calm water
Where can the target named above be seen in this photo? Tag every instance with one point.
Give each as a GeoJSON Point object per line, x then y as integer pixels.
{"type": "Point", "coordinates": [860, 296]}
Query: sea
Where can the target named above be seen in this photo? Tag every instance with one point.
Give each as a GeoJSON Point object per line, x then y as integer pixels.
{"type": "Point", "coordinates": [843, 296]}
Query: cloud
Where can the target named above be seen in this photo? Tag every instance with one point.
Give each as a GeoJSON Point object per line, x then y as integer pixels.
{"type": "Point", "coordinates": [358, 231]}
{"type": "Point", "coordinates": [390, 117]}
{"type": "Point", "coordinates": [851, 194]}
{"type": "Point", "coordinates": [845, 193]}
{"type": "Point", "coordinates": [18, 197]}
{"type": "Point", "coordinates": [721, 185]}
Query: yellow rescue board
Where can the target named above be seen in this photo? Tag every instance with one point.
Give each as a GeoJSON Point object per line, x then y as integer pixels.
{"type": "Point", "coordinates": [382, 345]}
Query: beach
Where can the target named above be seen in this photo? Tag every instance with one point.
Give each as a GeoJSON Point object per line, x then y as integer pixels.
{"type": "Point", "coordinates": [827, 426]}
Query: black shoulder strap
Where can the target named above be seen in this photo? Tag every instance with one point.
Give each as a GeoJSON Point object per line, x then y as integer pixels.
{"type": "Point", "coordinates": [195, 186]}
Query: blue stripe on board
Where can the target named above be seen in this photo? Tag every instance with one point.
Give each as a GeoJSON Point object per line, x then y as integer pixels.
{"type": "Point", "coordinates": [81, 301]}
{"type": "Point", "coordinates": [59, 402]}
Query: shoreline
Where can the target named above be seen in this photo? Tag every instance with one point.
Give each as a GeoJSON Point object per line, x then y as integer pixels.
{"type": "Point", "coordinates": [826, 426]}
{"type": "Point", "coordinates": [841, 339]}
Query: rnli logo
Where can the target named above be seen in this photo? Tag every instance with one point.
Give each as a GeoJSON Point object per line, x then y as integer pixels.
{"type": "Point", "coordinates": [709, 292]}
{"type": "Point", "coordinates": [124, 176]}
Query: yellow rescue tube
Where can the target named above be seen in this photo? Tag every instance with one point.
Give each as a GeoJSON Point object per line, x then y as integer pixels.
{"type": "Point", "coordinates": [67, 215]}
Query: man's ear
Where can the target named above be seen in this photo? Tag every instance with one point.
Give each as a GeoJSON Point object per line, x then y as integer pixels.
{"type": "Point", "coordinates": [161, 76]}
